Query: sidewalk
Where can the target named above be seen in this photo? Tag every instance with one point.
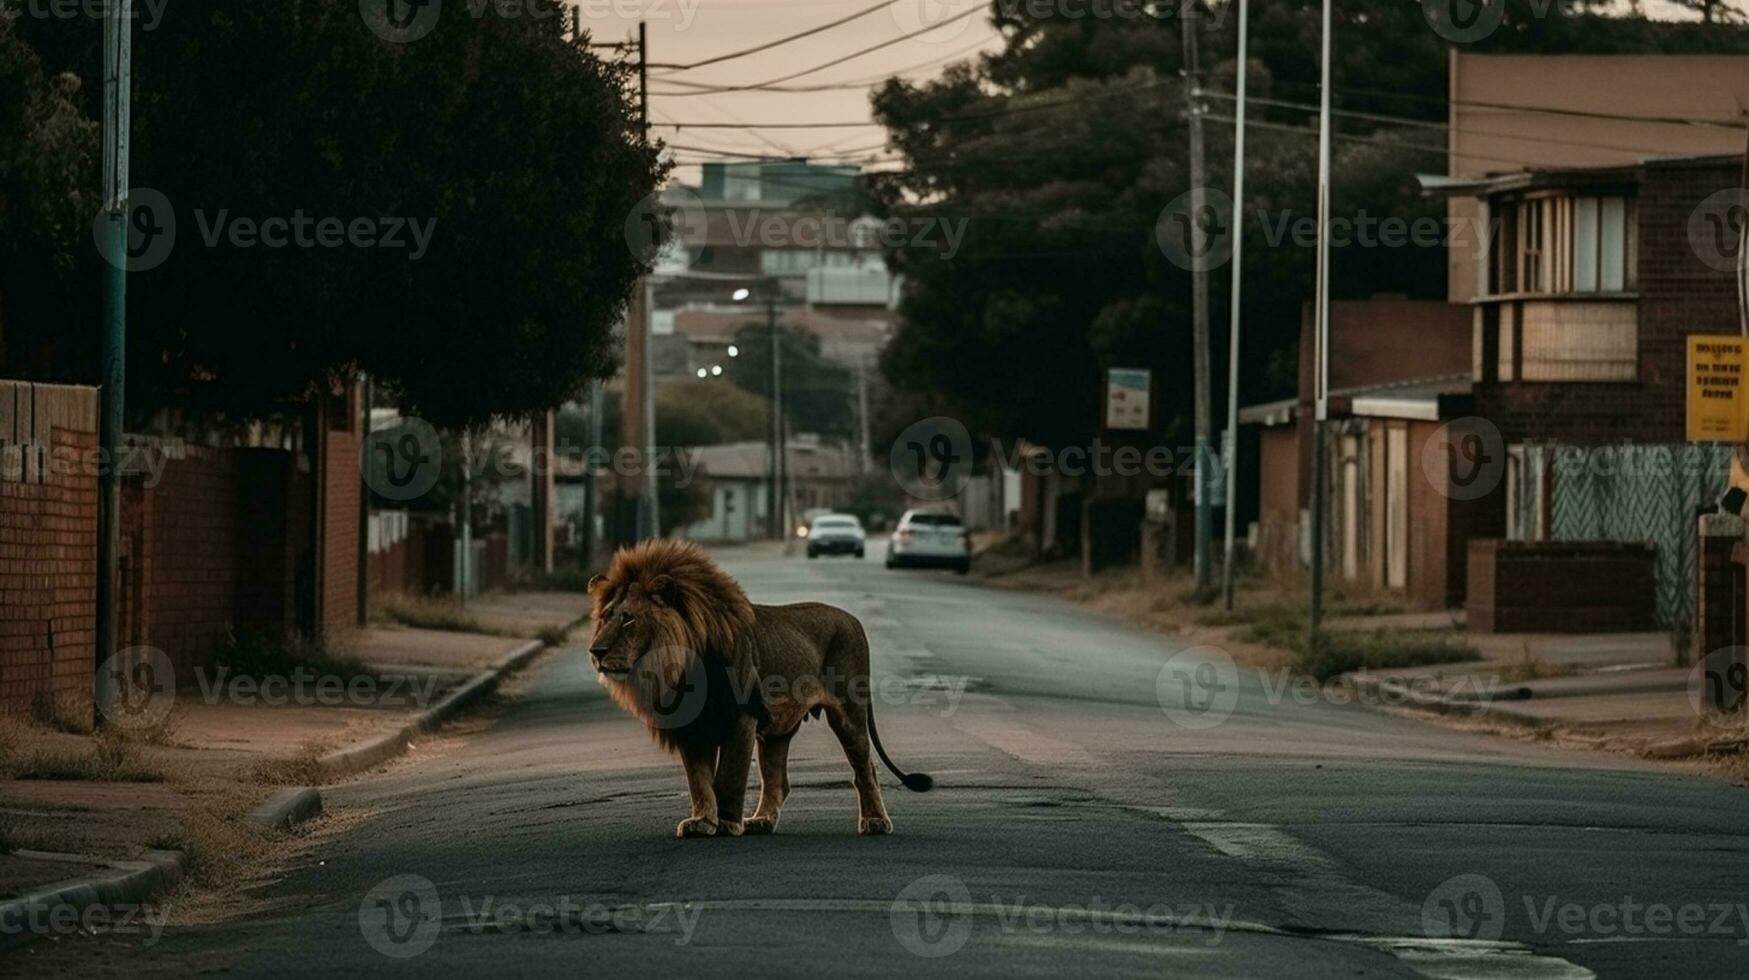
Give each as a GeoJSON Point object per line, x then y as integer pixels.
{"type": "Point", "coordinates": [189, 774]}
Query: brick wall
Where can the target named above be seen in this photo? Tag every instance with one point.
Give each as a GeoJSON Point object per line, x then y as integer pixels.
{"type": "Point", "coordinates": [339, 575]}
{"type": "Point", "coordinates": [1679, 295]}
{"type": "Point", "coordinates": [188, 531]}
{"type": "Point", "coordinates": [48, 544]}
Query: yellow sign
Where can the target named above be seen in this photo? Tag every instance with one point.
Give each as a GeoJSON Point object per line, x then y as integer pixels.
{"type": "Point", "coordinates": [1718, 407]}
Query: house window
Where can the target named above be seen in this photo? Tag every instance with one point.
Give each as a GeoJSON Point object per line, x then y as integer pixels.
{"type": "Point", "coordinates": [776, 261]}
{"type": "Point", "coordinates": [1562, 244]}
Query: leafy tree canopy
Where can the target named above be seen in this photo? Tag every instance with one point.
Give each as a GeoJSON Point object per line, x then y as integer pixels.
{"type": "Point", "coordinates": [516, 148]}
{"type": "Point", "coordinates": [1060, 151]}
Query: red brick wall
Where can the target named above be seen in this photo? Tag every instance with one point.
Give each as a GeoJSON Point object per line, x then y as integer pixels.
{"type": "Point", "coordinates": [191, 556]}
{"type": "Point", "coordinates": [1679, 295]}
{"type": "Point", "coordinates": [339, 576]}
{"type": "Point", "coordinates": [48, 578]}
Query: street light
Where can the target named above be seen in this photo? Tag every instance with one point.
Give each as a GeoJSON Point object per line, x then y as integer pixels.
{"type": "Point", "coordinates": [769, 289]}
{"type": "Point", "coordinates": [734, 351]}
{"type": "Point", "coordinates": [701, 373]}
{"type": "Point", "coordinates": [716, 370]}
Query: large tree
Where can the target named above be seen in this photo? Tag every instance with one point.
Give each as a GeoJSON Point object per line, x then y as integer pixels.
{"type": "Point", "coordinates": [517, 148]}
{"type": "Point", "coordinates": [1061, 149]}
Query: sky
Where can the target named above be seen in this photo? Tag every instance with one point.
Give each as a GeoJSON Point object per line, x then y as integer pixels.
{"type": "Point", "coordinates": [682, 32]}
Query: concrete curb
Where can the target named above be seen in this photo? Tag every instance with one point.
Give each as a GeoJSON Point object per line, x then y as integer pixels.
{"type": "Point", "coordinates": [286, 809]}
{"type": "Point", "coordinates": [1391, 693]}
{"type": "Point", "coordinates": [121, 883]}
{"type": "Point", "coordinates": [366, 755]}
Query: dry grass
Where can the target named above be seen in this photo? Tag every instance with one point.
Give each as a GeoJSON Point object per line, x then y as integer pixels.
{"type": "Point", "coordinates": [217, 846]}
{"type": "Point", "coordinates": [303, 768]}
{"type": "Point", "coordinates": [110, 760]}
{"type": "Point", "coordinates": [426, 613]}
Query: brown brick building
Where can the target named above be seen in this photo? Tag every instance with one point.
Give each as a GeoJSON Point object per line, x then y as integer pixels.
{"type": "Point", "coordinates": [1596, 278]}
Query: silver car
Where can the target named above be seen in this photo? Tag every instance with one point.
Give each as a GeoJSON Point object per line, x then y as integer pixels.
{"type": "Point", "coordinates": [930, 538]}
{"type": "Point", "coordinates": [835, 534]}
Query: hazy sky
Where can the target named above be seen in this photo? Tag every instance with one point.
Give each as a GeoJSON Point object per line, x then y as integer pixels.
{"type": "Point", "coordinates": [686, 31]}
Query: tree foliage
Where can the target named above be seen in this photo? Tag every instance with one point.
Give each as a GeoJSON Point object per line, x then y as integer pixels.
{"type": "Point", "coordinates": [819, 395]}
{"type": "Point", "coordinates": [521, 148]}
{"type": "Point", "coordinates": [1062, 149]}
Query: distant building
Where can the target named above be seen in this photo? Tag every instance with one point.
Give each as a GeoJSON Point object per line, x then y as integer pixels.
{"type": "Point", "coordinates": [739, 477]}
{"type": "Point", "coordinates": [789, 227]}
{"type": "Point", "coordinates": [1398, 371]}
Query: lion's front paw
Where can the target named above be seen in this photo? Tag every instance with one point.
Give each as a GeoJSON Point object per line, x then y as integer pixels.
{"type": "Point", "coordinates": [761, 825]}
{"type": "Point", "coordinates": [730, 828]}
{"type": "Point", "coordinates": [696, 827]}
{"type": "Point", "coordinates": [869, 826]}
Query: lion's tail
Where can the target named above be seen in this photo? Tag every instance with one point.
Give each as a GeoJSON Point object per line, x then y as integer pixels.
{"type": "Point", "coordinates": [917, 782]}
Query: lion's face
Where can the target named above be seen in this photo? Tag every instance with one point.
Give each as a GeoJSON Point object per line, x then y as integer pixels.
{"type": "Point", "coordinates": [625, 629]}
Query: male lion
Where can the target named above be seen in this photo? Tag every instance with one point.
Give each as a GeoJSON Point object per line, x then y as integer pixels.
{"type": "Point", "coordinates": [679, 646]}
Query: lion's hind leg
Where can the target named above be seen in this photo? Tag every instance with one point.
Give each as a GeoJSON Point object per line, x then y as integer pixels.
{"type": "Point", "coordinates": [773, 783]}
{"type": "Point", "coordinates": [849, 721]}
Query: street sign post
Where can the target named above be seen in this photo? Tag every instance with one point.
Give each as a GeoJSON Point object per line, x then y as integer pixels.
{"type": "Point", "coordinates": [1718, 406]}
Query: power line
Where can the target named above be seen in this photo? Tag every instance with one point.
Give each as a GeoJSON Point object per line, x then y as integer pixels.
{"type": "Point", "coordinates": [975, 9]}
{"type": "Point", "coordinates": [863, 83]}
{"type": "Point", "coordinates": [1427, 124]}
{"type": "Point", "coordinates": [1008, 110]}
{"type": "Point", "coordinates": [767, 46]}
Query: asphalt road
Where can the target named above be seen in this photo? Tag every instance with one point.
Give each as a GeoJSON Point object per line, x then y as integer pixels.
{"type": "Point", "coordinates": [1104, 807]}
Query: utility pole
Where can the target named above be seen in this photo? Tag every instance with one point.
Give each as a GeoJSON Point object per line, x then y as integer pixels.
{"type": "Point", "coordinates": [637, 407]}
{"type": "Point", "coordinates": [863, 461]}
{"type": "Point", "coordinates": [117, 107]}
{"type": "Point", "coordinates": [776, 504]}
{"type": "Point", "coordinates": [1321, 319]}
{"type": "Point", "coordinates": [464, 569]}
{"type": "Point", "coordinates": [1233, 323]}
{"type": "Point", "coordinates": [1187, 29]}
{"type": "Point", "coordinates": [587, 552]}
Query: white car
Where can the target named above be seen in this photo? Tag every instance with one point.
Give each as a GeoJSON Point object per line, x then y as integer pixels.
{"type": "Point", "coordinates": [931, 538]}
{"type": "Point", "coordinates": [835, 534]}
